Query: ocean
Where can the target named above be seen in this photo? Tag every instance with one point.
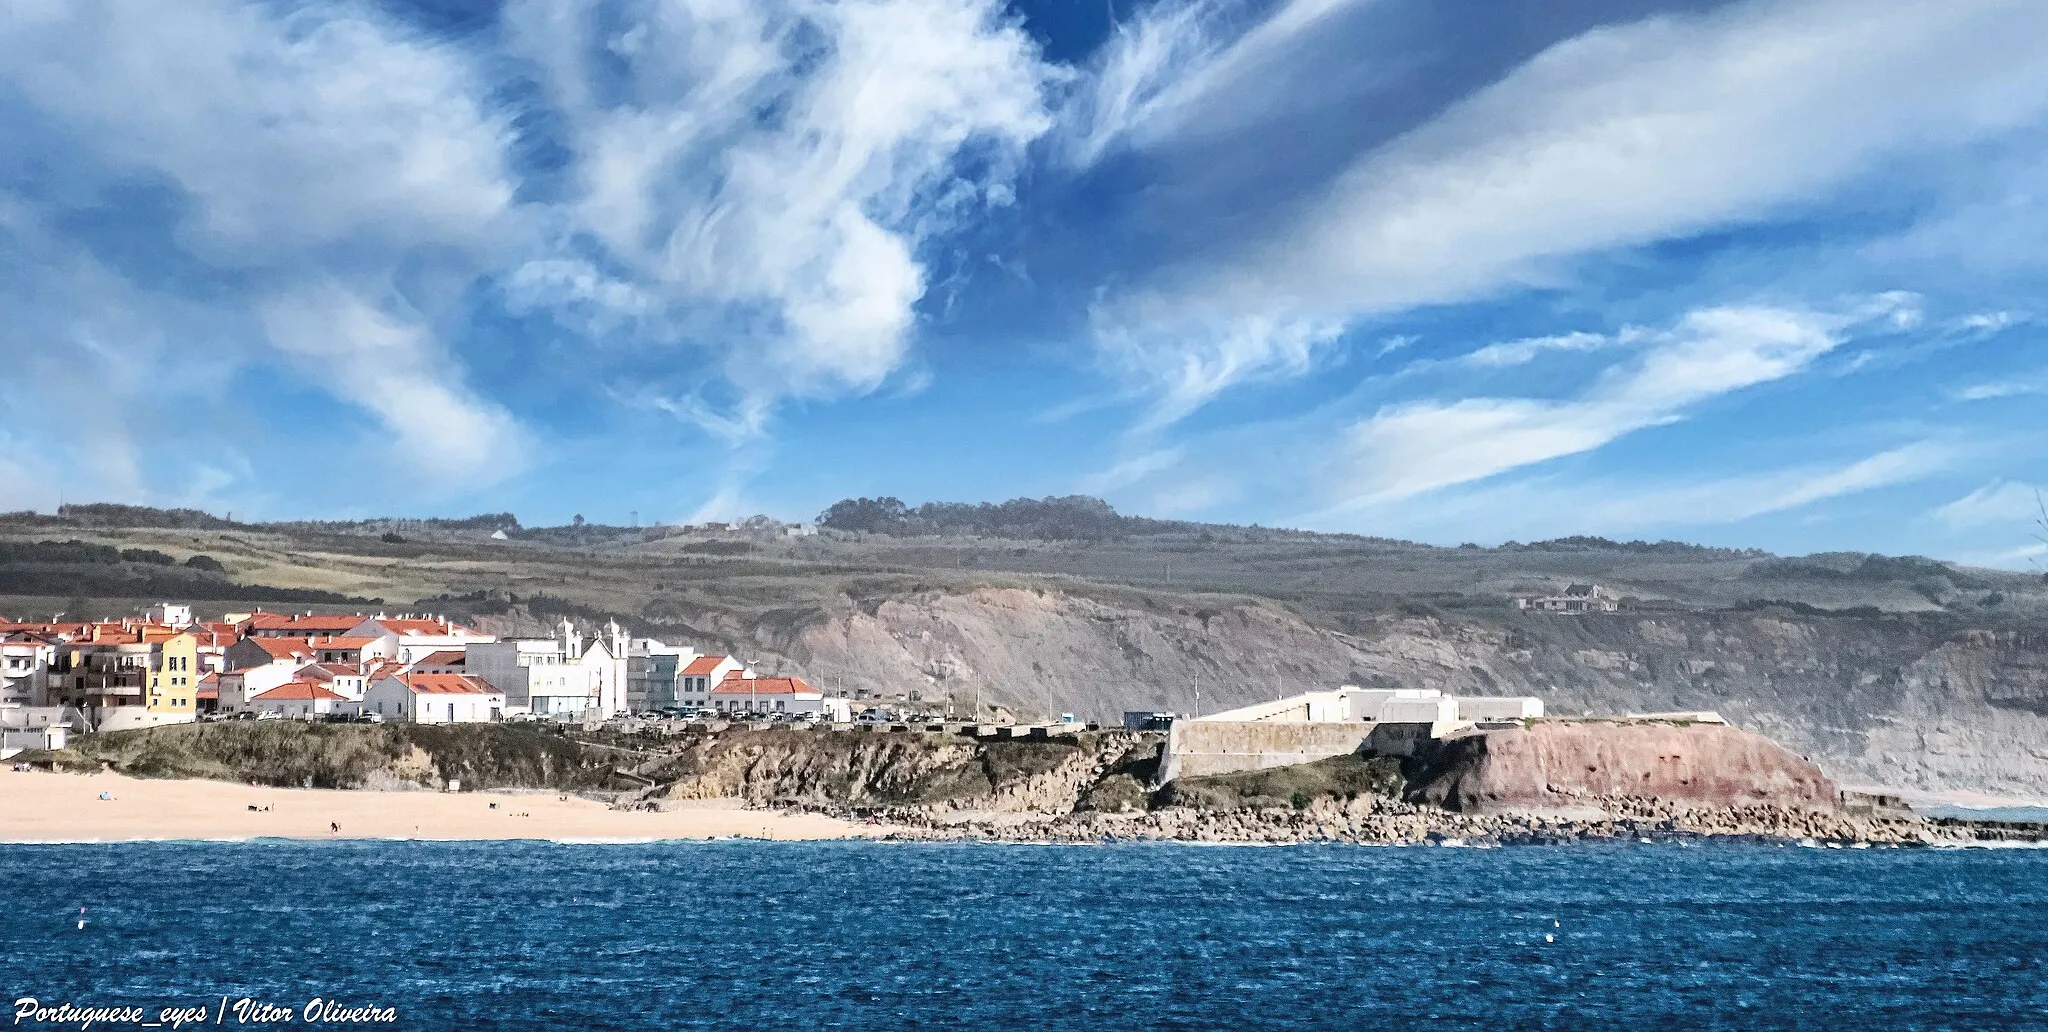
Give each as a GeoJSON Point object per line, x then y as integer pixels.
{"type": "Point", "coordinates": [536, 935]}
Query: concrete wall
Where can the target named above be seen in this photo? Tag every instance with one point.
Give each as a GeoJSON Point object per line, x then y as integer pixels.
{"type": "Point", "coordinates": [128, 718]}
{"type": "Point", "coordinates": [1196, 748]}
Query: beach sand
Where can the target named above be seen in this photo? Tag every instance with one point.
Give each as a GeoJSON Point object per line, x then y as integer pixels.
{"type": "Point", "coordinates": [45, 807]}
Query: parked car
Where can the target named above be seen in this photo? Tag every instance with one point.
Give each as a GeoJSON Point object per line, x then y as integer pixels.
{"type": "Point", "coordinates": [270, 715]}
{"type": "Point", "coordinates": [369, 718]}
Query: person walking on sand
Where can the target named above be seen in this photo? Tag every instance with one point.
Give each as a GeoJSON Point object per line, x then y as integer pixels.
{"type": "Point", "coordinates": [333, 828]}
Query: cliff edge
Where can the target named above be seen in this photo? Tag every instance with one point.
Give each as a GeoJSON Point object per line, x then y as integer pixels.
{"type": "Point", "coordinates": [1554, 763]}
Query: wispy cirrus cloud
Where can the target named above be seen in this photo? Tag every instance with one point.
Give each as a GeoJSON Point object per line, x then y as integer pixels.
{"type": "Point", "coordinates": [1411, 448]}
{"type": "Point", "coordinates": [2009, 503]}
{"type": "Point", "coordinates": [1539, 507]}
{"type": "Point", "coordinates": [1623, 136]}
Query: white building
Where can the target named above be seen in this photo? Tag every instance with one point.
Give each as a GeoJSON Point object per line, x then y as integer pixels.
{"type": "Point", "coordinates": [1575, 598]}
{"type": "Point", "coordinates": [237, 688]}
{"type": "Point", "coordinates": [563, 678]}
{"type": "Point", "coordinates": [435, 699]}
{"type": "Point", "coordinates": [1414, 706]}
{"type": "Point", "coordinates": [299, 699]}
{"type": "Point", "coordinates": [344, 679]}
{"type": "Point", "coordinates": [739, 696]}
{"type": "Point", "coordinates": [654, 673]}
{"type": "Point", "coordinates": [175, 615]}
{"type": "Point", "coordinates": [25, 669]}
{"type": "Point", "coordinates": [694, 684]}
{"type": "Point", "coordinates": [16, 740]}
{"type": "Point", "coordinates": [409, 638]}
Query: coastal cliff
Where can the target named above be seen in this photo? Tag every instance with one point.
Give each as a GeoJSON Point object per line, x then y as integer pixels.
{"type": "Point", "coordinates": [1555, 764]}
{"type": "Point", "coordinates": [1915, 700]}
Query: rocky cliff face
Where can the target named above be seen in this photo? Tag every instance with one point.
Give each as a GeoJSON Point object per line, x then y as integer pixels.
{"type": "Point", "coordinates": [1565, 764]}
{"type": "Point", "coordinates": [870, 769]}
{"type": "Point", "coordinates": [1915, 701]}
{"type": "Point", "coordinates": [1926, 701]}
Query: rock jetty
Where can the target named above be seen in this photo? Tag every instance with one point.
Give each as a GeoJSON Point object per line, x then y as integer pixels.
{"type": "Point", "coordinates": [1372, 820]}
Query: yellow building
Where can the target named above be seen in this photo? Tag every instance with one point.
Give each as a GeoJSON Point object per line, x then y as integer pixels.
{"type": "Point", "coordinates": [173, 675]}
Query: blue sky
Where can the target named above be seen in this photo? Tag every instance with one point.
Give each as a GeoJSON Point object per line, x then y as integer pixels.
{"type": "Point", "coordinates": [1753, 273]}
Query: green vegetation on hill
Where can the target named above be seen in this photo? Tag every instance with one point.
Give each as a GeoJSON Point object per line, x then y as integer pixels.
{"type": "Point", "coordinates": [313, 755]}
{"type": "Point", "coordinates": [83, 568]}
{"type": "Point", "coordinates": [1340, 778]}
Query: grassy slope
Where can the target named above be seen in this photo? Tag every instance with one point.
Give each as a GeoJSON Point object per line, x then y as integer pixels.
{"type": "Point", "coordinates": [1340, 777]}
{"type": "Point", "coordinates": [294, 753]}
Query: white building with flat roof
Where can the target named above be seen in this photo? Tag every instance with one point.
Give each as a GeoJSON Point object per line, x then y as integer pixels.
{"type": "Point", "coordinates": [563, 678]}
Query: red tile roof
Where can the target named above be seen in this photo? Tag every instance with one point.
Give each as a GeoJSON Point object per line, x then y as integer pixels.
{"type": "Point", "coordinates": [283, 648]}
{"type": "Point", "coordinates": [445, 657]}
{"type": "Point", "coordinates": [737, 685]}
{"type": "Point", "coordinates": [208, 687]}
{"type": "Point", "coordinates": [423, 627]}
{"type": "Point", "coordinates": [446, 684]}
{"type": "Point", "coordinates": [298, 691]}
{"type": "Point", "coordinates": [299, 623]}
{"type": "Point", "coordinates": [333, 642]}
{"type": "Point", "coordinates": [702, 666]}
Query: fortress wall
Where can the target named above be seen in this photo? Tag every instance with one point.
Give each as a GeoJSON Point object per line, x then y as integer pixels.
{"type": "Point", "coordinates": [1201, 747]}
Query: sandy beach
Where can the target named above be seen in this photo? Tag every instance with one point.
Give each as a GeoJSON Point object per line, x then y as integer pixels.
{"type": "Point", "coordinates": [45, 807]}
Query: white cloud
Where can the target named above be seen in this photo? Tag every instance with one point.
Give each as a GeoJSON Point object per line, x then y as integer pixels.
{"type": "Point", "coordinates": [387, 362]}
{"type": "Point", "coordinates": [303, 154]}
{"type": "Point", "coordinates": [290, 129]}
{"type": "Point", "coordinates": [1522, 352]}
{"type": "Point", "coordinates": [1621, 137]}
{"type": "Point", "coordinates": [2000, 389]}
{"type": "Point", "coordinates": [1132, 470]}
{"type": "Point", "coordinates": [1409, 449]}
{"type": "Point", "coordinates": [776, 168]}
{"type": "Point", "coordinates": [1193, 363]}
{"type": "Point", "coordinates": [1536, 508]}
{"type": "Point", "coordinates": [1181, 69]}
{"type": "Point", "coordinates": [2008, 503]}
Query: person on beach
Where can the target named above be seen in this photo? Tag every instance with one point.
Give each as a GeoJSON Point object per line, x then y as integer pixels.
{"type": "Point", "coordinates": [333, 828]}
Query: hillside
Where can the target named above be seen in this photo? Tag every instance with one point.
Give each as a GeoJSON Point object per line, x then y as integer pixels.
{"type": "Point", "coordinates": [1886, 670]}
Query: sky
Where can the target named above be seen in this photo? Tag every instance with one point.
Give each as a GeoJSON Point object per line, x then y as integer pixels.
{"type": "Point", "coordinates": [1760, 274]}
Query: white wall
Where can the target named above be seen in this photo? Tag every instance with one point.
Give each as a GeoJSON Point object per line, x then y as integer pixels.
{"type": "Point", "coordinates": [1514, 707]}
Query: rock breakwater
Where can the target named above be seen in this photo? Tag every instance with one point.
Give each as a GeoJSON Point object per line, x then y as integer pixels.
{"type": "Point", "coordinates": [1382, 821]}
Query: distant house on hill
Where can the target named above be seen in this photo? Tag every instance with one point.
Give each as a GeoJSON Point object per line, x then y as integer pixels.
{"type": "Point", "coordinates": [1575, 598]}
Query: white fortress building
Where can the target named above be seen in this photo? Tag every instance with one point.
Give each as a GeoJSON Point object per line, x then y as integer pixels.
{"type": "Point", "coordinates": [1318, 725]}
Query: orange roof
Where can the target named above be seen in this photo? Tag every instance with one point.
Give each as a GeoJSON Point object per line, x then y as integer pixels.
{"type": "Point", "coordinates": [446, 684]}
{"type": "Point", "coordinates": [445, 657]}
{"type": "Point", "coordinates": [423, 627]}
{"type": "Point", "coordinates": [332, 642]}
{"type": "Point", "coordinates": [702, 666]}
{"type": "Point", "coordinates": [330, 671]}
{"type": "Point", "coordinates": [764, 686]}
{"type": "Point", "coordinates": [301, 622]}
{"type": "Point", "coordinates": [298, 691]}
{"type": "Point", "coordinates": [283, 648]}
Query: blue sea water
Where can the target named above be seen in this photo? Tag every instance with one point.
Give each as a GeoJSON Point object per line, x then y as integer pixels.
{"type": "Point", "coordinates": [535, 935]}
